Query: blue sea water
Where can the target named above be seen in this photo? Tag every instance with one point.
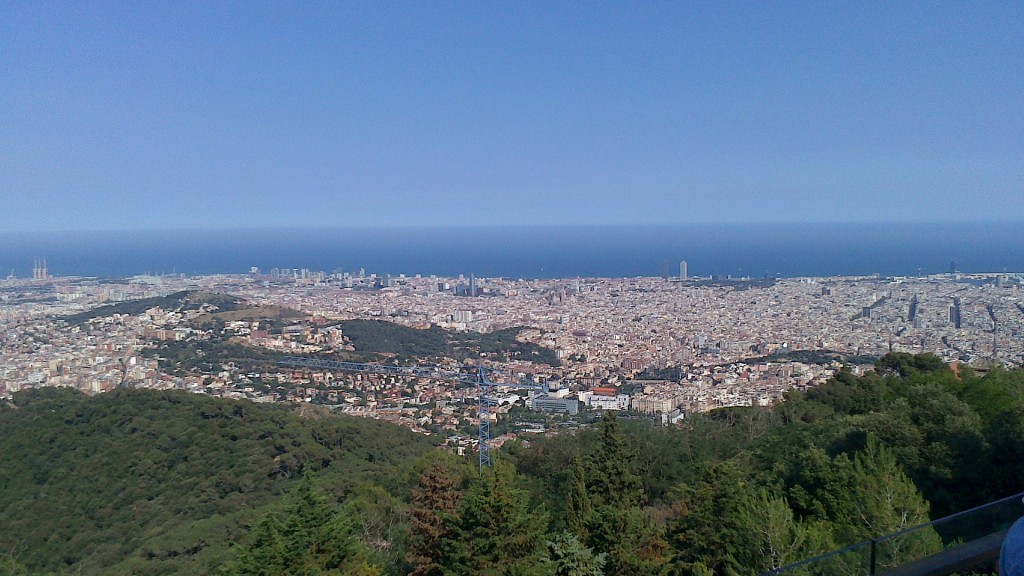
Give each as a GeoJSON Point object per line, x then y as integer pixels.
{"type": "Point", "coordinates": [785, 250]}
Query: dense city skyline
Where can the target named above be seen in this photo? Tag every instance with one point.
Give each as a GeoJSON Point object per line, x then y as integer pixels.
{"type": "Point", "coordinates": [231, 115]}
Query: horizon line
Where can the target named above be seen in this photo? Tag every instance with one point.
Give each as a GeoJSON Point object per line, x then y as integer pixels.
{"type": "Point", "coordinates": [577, 225]}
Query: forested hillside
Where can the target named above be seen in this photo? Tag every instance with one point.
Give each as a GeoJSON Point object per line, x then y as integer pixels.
{"type": "Point", "coordinates": [145, 482]}
{"type": "Point", "coordinates": [158, 483]}
{"type": "Point", "coordinates": [741, 490]}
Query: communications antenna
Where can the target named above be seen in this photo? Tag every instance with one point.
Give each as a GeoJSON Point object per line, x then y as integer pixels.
{"type": "Point", "coordinates": [477, 376]}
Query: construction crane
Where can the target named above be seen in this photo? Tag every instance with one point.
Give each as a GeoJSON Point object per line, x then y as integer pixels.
{"type": "Point", "coordinates": [477, 376]}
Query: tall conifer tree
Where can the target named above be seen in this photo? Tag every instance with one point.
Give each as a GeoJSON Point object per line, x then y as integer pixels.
{"type": "Point", "coordinates": [434, 503]}
{"type": "Point", "coordinates": [606, 506]}
{"type": "Point", "coordinates": [578, 507]}
{"type": "Point", "coordinates": [497, 530]}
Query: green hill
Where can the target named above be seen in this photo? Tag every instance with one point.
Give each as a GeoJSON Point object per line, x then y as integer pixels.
{"type": "Point", "coordinates": [389, 338]}
{"type": "Point", "coordinates": [137, 482]}
{"type": "Point", "coordinates": [146, 482]}
{"type": "Point", "coordinates": [184, 300]}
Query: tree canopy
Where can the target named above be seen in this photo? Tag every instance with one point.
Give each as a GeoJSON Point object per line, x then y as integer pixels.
{"type": "Point", "coordinates": [143, 482]}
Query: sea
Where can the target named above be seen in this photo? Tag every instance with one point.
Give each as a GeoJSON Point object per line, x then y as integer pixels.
{"type": "Point", "coordinates": [733, 250]}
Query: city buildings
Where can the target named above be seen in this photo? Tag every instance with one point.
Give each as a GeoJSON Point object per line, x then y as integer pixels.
{"type": "Point", "coordinates": [660, 348]}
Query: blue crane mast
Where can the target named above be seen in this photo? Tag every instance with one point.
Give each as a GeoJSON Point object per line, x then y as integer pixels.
{"type": "Point", "coordinates": [477, 376]}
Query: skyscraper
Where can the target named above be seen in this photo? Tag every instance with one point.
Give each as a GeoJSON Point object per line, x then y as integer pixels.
{"type": "Point", "coordinates": [472, 285]}
{"type": "Point", "coordinates": [682, 271]}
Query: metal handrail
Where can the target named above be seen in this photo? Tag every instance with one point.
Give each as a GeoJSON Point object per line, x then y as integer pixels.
{"type": "Point", "coordinates": [951, 517]}
{"type": "Point", "coordinates": [818, 558]}
{"type": "Point", "coordinates": [874, 542]}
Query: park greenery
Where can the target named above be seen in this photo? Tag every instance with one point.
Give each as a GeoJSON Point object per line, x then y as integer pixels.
{"type": "Point", "coordinates": [272, 316]}
{"type": "Point", "coordinates": [373, 340]}
{"type": "Point", "coordinates": [813, 357]}
{"type": "Point", "coordinates": [382, 337]}
{"type": "Point", "coordinates": [179, 301]}
{"type": "Point", "coordinates": [184, 357]}
{"type": "Point", "coordinates": [147, 482]}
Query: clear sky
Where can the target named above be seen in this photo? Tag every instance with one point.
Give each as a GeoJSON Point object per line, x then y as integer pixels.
{"type": "Point", "coordinates": [217, 114]}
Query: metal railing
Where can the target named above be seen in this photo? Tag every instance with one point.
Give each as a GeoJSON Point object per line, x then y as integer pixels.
{"type": "Point", "coordinates": [960, 541]}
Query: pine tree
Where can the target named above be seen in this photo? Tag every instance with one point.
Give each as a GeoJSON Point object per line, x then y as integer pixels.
{"type": "Point", "coordinates": [578, 507]}
{"type": "Point", "coordinates": [497, 530]}
{"type": "Point", "coordinates": [434, 503]}
{"type": "Point", "coordinates": [778, 537]}
{"type": "Point", "coordinates": [707, 529]}
{"type": "Point", "coordinates": [610, 477]}
{"type": "Point", "coordinates": [311, 536]}
{"type": "Point", "coordinates": [571, 558]}
{"type": "Point", "coordinates": [605, 503]}
{"type": "Point", "coordinates": [885, 501]}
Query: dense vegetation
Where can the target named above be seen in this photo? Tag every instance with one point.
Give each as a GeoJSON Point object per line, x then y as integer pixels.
{"type": "Point", "coordinates": [374, 340]}
{"type": "Point", "coordinates": [740, 490]}
{"type": "Point", "coordinates": [390, 338]}
{"type": "Point", "coordinates": [144, 482]}
{"type": "Point", "coordinates": [183, 357]}
{"type": "Point", "coordinates": [813, 357]}
{"type": "Point", "coordinates": [273, 317]}
{"type": "Point", "coordinates": [91, 485]}
{"type": "Point", "coordinates": [184, 300]}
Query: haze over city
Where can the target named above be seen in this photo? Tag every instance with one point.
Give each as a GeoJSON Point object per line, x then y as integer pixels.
{"type": "Point", "coordinates": [233, 115]}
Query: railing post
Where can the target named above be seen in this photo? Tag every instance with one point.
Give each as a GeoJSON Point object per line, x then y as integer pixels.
{"type": "Point", "coordinates": [873, 556]}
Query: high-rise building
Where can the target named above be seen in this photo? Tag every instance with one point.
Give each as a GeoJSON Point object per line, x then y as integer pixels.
{"type": "Point", "coordinates": [472, 285]}
{"type": "Point", "coordinates": [682, 271]}
{"type": "Point", "coordinates": [954, 313]}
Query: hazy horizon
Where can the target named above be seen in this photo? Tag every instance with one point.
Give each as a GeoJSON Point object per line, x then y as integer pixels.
{"type": "Point", "coordinates": [534, 251]}
{"type": "Point", "coordinates": [469, 226]}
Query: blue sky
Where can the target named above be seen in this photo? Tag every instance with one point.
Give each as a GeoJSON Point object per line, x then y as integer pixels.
{"type": "Point", "coordinates": [141, 115]}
